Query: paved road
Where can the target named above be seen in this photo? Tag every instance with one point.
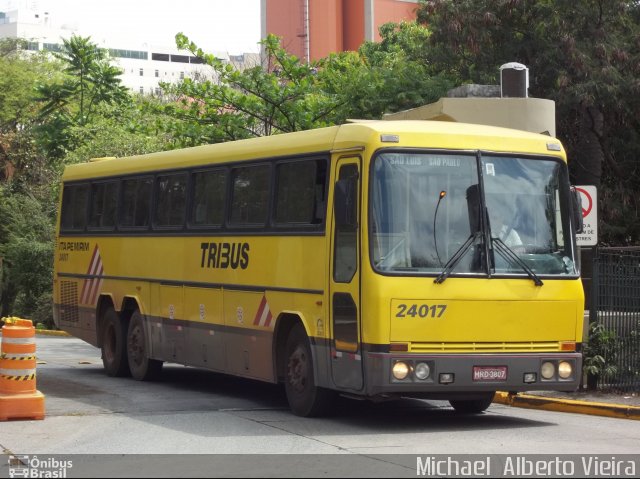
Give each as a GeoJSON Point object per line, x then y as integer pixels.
{"type": "Point", "coordinates": [192, 411]}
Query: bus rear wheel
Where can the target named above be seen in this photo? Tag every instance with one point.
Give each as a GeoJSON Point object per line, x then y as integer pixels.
{"type": "Point", "coordinates": [304, 397]}
{"type": "Point", "coordinates": [142, 367]}
{"type": "Point", "coordinates": [114, 349]}
{"type": "Point", "coordinates": [473, 406]}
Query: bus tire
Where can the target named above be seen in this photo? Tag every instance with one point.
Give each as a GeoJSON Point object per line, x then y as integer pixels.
{"type": "Point", "coordinates": [114, 346]}
{"type": "Point", "coordinates": [142, 367]}
{"type": "Point", "coordinates": [474, 406]}
{"type": "Point", "coordinates": [304, 397]}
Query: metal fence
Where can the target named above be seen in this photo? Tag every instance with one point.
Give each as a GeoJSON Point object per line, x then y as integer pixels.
{"type": "Point", "coordinates": [615, 318]}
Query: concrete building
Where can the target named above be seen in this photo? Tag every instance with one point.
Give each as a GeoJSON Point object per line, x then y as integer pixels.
{"type": "Point", "coordinates": [507, 105]}
{"type": "Point", "coordinates": [312, 29]}
{"type": "Point", "coordinates": [537, 115]}
{"type": "Point", "coordinates": [144, 66]}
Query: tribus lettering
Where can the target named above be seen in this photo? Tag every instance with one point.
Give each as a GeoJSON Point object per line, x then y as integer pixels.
{"type": "Point", "coordinates": [224, 255]}
{"type": "Point", "coordinates": [73, 246]}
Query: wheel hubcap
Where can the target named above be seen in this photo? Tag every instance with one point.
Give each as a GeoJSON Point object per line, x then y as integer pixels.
{"type": "Point", "coordinates": [297, 370]}
{"type": "Point", "coordinates": [136, 346]}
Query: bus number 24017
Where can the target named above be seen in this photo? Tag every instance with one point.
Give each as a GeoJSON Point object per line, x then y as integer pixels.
{"type": "Point", "coordinates": [420, 310]}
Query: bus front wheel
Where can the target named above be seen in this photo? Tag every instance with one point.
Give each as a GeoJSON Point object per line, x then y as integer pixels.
{"type": "Point", "coordinates": [114, 348]}
{"type": "Point", "coordinates": [142, 367]}
{"type": "Point", "coordinates": [304, 397]}
{"type": "Point", "coordinates": [473, 406]}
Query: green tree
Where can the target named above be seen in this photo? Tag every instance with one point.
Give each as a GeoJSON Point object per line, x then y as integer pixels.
{"type": "Point", "coordinates": [94, 120]}
{"type": "Point", "coordinates": [26, 175]}
{"type": "Point", "coordinates": [584, 55]}
{"type": "Point", "coordinates": [600, 354]}
{"type": "Point", "coordinates": [26, 249]}
{"type": "Point", "coordinates": [122, 130]}
{"type": "Point", "coordinates": [89, 81]}
{"type": "Point", "coordinates": [19, 75]}
{"type": "Point", "coordinates": [383, 77]}
{"type": "Point", "coordinates": [282, 95]}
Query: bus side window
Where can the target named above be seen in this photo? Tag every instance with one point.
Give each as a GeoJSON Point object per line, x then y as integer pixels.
{"type": "Point", "coordinates": [135, 208]}
{"type": "Point", "coordinates": [102, 211]}
{"type": "Point", "coordinates": [300, 193]}
{"type": "Point", "coordinates": [74, 207]}
{"type": "Point", "coordinates": [250, 195]}
{"type": "Point", "coordinates": [346, 236]}
{"type": "Point", "coordinates": [171, 200]}
{"type": "Point", "coordinates": [209, 194]}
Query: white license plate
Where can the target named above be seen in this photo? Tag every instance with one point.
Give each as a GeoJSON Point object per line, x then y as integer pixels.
{"type": "Point", "coordinates": [489, 373]}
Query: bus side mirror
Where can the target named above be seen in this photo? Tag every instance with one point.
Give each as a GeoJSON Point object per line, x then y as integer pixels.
{"type": "Point", "coordinates": [576, 210]}
{"type": "Point", "coordinates": [344, 203]}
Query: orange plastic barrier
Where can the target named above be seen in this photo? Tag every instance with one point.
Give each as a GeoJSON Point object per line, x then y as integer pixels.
{"type": "Point", "coordinates": [19, 398]}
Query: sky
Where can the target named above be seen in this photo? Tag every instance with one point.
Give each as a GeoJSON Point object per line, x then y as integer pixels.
{"type": "Point", "coordinates": [230, 26]}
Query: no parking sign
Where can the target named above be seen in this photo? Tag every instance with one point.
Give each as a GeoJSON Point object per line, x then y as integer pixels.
{"type": "Point", "coordinates": [589, 197]}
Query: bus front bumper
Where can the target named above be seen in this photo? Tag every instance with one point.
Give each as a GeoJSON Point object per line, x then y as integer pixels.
{"type": "Point", "coordinates": [468, 373]}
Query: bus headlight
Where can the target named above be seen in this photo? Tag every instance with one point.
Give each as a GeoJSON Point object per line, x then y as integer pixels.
{"type": "Point", "coordinates": [565, 370]}
{"type": "Point", "coordinates": [548, 370]}
{"type": "Point", "coordinates": [422, 371]}
{"type": "Point", "coordinates": [400, 370]}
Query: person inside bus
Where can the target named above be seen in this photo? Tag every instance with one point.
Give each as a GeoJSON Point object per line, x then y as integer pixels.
{"type": "Point", "coordinates": [507, 233]}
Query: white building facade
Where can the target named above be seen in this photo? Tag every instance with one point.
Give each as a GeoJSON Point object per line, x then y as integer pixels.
{"type": "Point", "coordinates": [144, 66]}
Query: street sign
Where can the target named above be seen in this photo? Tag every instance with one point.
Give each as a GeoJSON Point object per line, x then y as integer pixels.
{"type": "Point", "coordinates": [589, 197]}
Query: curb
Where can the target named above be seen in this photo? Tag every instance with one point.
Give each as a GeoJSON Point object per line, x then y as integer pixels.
{"type": "Point", "coordinates": [47, 332]}
{"type": "Point", "coordinates": [620, 411]}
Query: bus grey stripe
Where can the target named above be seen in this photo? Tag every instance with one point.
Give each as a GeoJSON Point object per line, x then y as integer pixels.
{"type": "Point", "coordinates": [194, 284]}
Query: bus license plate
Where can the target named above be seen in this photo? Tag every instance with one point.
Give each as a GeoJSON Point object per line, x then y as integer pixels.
{"type": "Point", "coordinates": [489, 373]}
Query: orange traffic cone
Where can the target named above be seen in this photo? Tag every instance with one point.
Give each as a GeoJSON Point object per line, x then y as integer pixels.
{"type": "Point", "coordinates": [18, 396]}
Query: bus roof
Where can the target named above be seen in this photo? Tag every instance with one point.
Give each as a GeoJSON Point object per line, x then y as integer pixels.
{"type": "Point", "coordinates": [367, 135]}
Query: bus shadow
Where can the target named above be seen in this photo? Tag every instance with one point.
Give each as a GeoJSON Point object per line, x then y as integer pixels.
{"type": "Point", "coordinates": [396, 416]}
{"type": "Point", "coordinates": [185, 390]}
{"type": "Point", "coordinates": [408, 415]}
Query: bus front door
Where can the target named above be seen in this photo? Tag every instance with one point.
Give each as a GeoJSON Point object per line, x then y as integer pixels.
{"type": "Point", "coordinates": [344, 288]}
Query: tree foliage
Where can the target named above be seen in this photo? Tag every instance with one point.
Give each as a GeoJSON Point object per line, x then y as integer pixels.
{"type": "Point", "coordinates": [26, 206]}
{"type": "Point", "coordinates": [584, 55]}
{"type": "Point", "coordinates": [19, 75]}
{"type": "Point", "coordinates": [284, 94]}
{"type": "Point", "coordinates": [280, 95]}
{"type": "Point", "coordinates": [121, 130]}
{"type": "Point", "coordinates": [26, 249]}
{"type": "Point", "coordinates": [384, 77]}
{"type": "Point", "coordinates": [89, 81]}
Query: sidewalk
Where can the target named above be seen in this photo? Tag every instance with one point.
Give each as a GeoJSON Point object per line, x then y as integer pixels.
{"type": "Point", "coordinates": [622, 406]}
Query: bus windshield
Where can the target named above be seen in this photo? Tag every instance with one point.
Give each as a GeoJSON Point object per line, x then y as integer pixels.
{"type": "Point", "coordinates": [424, 212]}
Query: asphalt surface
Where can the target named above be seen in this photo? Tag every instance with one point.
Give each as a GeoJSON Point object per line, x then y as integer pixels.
{"type": "Point", "coordinates": [197, 423]}
{"type": "Point", "coordinates": [599, 403]}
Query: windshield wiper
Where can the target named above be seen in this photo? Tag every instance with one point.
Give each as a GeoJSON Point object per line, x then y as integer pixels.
{"type": "Point", "coordinates": [457, 256]}
{"type": "Point", "coordinates": [508, 254]}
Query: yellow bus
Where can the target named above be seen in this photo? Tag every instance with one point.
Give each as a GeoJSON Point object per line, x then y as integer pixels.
{"type": "Point", "coordinates": [371, 259]}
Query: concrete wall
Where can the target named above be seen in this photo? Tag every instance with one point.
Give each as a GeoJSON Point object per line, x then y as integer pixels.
{"type": "Point", "coordinates": [529, 114]}
{"type": "Point", "coordinates": [392, 11]}
{"type": "Point", "coordinates": [334, 25]}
